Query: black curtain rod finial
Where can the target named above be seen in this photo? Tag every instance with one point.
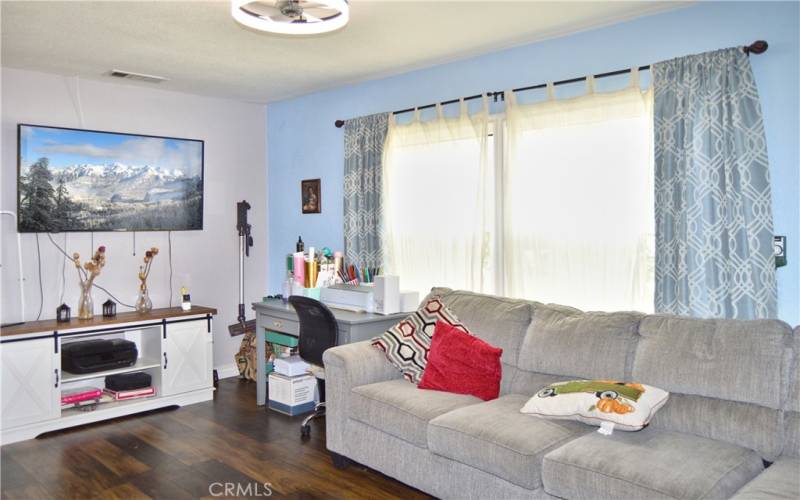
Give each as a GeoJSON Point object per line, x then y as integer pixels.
{"type": "Point", "coordinates": [339, 123]}
{"type": "Point", "coordinates": [757, 47]}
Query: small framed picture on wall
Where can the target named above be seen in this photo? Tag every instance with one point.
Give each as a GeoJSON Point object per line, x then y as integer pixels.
{"type": "Point", "coordinates": [311, 196]}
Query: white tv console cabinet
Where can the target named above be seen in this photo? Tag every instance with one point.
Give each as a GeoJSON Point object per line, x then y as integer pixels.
{"type": "Point", "coordinates": [175, 348]}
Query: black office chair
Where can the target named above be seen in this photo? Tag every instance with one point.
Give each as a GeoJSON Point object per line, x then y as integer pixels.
{"type": "Point", "coordinates": [318, 332]}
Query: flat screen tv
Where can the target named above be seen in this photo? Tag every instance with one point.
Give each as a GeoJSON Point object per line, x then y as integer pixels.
{"type": "Point", "coordinates": [88, 180]}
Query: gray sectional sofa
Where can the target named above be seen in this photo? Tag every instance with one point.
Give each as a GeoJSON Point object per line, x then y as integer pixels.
{"type": "Point", "coordinates": [734, 408]}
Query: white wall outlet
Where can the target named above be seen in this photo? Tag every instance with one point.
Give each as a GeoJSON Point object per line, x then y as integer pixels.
{"type": "Point", "coordinates": [779, 245]}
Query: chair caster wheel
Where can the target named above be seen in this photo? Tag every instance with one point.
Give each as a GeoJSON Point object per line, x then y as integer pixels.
{"type": "Point", "coordinates": [305, 431]}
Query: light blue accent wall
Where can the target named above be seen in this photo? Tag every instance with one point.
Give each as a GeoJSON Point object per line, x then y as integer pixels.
{"type": "Point", "coordinates": [304, 144]}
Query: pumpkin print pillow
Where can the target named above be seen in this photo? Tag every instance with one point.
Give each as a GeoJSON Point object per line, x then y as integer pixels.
{"type": "Point", "coordinates": [629, 406]}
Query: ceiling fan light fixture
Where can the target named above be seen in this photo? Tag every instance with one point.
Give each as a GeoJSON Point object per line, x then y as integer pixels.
{"type": "Point", "coordinates": [292, 17]}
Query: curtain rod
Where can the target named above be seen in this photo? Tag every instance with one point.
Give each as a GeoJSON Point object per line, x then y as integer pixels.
{"type": "Point", "coordinates": [757, 47]}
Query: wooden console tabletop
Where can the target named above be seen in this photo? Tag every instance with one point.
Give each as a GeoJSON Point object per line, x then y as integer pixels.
{"type": "Point", "coordinates": [49, 325]}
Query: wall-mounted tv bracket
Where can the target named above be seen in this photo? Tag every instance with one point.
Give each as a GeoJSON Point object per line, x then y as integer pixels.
{"type": "Point", "coordinates": [779, 245]}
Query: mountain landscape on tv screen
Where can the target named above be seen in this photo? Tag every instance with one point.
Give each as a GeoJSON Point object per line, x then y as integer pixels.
{"type": "Point", "coordinates": [85, 180]}
{"type": "Point", "coordinates": [116, 196]}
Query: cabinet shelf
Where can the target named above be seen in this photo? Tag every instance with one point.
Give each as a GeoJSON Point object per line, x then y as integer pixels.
{"type": "Point", "coordinates": [107, 406]}
{"type": "Point", "coordinates": [141, 364]}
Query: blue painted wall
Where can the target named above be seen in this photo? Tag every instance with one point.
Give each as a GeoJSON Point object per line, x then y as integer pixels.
{"type": "Point", "coordinates": [304, 144]}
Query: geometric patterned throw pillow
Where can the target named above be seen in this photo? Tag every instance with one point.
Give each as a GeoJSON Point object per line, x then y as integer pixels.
{"type": "Point", "coordinates": [407, 343]}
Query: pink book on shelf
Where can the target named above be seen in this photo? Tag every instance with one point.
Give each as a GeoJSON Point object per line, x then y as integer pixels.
{"type": "Point", "coordinates": [132, 394]}
{"type": "Point", "coordinates": [79, 394]}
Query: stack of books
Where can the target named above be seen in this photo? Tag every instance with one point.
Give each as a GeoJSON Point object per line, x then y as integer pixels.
{"type": "Point", "coordinates": [144, 392]}
{"type": "Point", "coordinates": [282, 345]}
{"type": "Point", "coordinates": [80, 395]}
{"type": "Point", "coordinates": [283, 351]}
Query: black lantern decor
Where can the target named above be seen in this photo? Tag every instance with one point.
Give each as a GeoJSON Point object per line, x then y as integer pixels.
{"type": "Point", "coordinates": [62, 313]}
{"type": "Point", "coordinates": [109, 309]}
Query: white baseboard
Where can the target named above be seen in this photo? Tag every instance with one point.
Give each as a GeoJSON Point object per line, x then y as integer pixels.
{"type": "Point", "coordinates": [227, 371]}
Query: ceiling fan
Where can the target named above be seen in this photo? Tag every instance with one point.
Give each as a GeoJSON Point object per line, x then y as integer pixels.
{"type": "Point", "coordinates": [292, 17]}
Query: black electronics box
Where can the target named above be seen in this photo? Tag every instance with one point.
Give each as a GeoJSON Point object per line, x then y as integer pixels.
{"type": "Point", "coordinates": [89, 356]}
{"type": "Point", "coordinates": [128, 381]}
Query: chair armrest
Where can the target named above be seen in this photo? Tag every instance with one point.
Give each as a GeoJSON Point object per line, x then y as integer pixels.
{"type": "Point", "coordinates": [348, 366]}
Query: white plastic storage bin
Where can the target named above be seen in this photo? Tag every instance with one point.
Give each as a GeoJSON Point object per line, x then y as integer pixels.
{"type": "Point", "coordinates": [291, 366]}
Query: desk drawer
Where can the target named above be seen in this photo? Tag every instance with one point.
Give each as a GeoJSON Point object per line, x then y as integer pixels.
{"type": "Point", "coordinates": [283, 325]}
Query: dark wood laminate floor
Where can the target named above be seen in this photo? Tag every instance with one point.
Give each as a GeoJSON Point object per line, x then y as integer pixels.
{"type": "Point", "coordinates": [174, 454]}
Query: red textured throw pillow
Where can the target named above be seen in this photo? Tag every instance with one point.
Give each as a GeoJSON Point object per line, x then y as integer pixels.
{"type": "Point", "coordinates": [463, 364]}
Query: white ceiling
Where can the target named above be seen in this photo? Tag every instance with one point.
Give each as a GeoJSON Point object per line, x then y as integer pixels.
{"type": "Point", "coordinates": [201, 50]}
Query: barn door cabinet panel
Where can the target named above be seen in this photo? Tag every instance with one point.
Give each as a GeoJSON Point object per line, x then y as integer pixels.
{"type": "Point", "coordinates": [30, 373]}
{"type": "Point", "coordinates": [186, 357]}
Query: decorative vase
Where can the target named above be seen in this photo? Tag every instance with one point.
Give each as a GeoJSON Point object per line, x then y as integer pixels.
{"type": "Point", "coordinates": [143, 302]}
{"type": "Point", "coordinates": [86, 304]}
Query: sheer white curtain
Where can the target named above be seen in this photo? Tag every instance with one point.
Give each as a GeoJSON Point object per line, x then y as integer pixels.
{"type": "Point", "coordinates": [438, 201]}
{"type": "Point", "coordinates": [578, 200]}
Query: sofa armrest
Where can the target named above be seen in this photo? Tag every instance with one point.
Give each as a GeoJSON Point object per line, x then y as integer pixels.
{"type": "Point", "coordinates": [348, 366]}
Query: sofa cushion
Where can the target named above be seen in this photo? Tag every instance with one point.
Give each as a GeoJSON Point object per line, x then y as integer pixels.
{"type": "Point", "coordinates": [590, 345]}
{"type": "Point", "coordinates": [792, 416]}
{"type": "Point", "coordinates": [734, 372]}
{"type": "Point", "coordinates": [742, 361]}
{"type": "Point", "coordinates": [792, 437]}
{"type": "Point", "coordinates": [500, 321]}
{"type": "Point", "coordinates": [780, 480]}
{"type": "Point", "coordinates": [530, 383]}
{"type": "Point", "coordinates": [650, 463]}
{"type": "Point", "coordinates": [744, 424]}
{"type": "Point", "coordinates": [399, 408]}
{"type": "Point", "coordinates": [496, 438]}
{"type": "Point", "coordinates": [793, 399]}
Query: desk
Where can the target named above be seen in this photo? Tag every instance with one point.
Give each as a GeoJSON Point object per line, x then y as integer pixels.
{"type": "Point", "coordinates": [273, 314]}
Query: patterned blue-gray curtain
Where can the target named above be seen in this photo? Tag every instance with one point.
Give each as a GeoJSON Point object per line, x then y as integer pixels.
{"type": "Point", "coordinates": [363, 167]}
{"type": "Point", "coordinates": [713, 204]}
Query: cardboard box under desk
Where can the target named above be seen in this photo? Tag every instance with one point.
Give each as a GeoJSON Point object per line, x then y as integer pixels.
{"type": "Point", "coordinates": [291, 395]}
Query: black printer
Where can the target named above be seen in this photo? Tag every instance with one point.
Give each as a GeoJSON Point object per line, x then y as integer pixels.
{"type": "Point", "coordinates": [89, 356]}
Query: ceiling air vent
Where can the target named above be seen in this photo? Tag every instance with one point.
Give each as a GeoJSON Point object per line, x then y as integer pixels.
{"type": "Point", "coordinates": [129, 75]}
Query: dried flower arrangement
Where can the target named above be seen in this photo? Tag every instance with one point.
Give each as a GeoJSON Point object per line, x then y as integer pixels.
{"type": "Point", "coordinates": [86, 274]}
{"type": "Point", "coordinates": [143, 302]}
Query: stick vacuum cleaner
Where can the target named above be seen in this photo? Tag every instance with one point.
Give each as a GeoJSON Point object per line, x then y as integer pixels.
{"type": "Point", "coordinates": [242, 326]}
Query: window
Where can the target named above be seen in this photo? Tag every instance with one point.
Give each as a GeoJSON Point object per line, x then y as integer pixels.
{"type": "Point", "coordinates": [437, 192]}
{"type": "Point", "coordinates": [578, 202]}
{"type": "Point", "coordinates": [563, 212]}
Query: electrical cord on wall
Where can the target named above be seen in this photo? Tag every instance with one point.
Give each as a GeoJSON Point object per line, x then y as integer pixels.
{"type": "Point", "coordinates": [70, 258]}
{"type": "Point", "coordinates": [169, 246]}
{"type": "Point", "coordinates": [20, 268]}
{"type": "Point", "coordinates": [63, 273]}
{"type": "Point", "coordinates": [41, 287]}
{"type": "Point", "coordinates": [58, 247]}
{"type": "Point", "coordinates": [79, 111]}
{"type": "Point", "coordinates": [112, 296]}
